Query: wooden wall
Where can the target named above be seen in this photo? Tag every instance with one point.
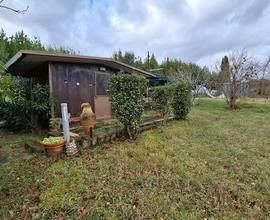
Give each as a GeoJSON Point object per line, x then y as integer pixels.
{"type": "Point", "coordinates": [75, 84]}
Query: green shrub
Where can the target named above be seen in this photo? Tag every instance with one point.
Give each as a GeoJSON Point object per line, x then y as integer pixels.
{"type": "Point", "coordinates": [126, 95]}
{"type": "Point", "coordinates": [27, 106]}
{"type": "Point", "coordinates": [7, 86]}
{"type": "Point", "coordinates": [182, 100]}
{"type": "Point", "coordinates": [162, 98]}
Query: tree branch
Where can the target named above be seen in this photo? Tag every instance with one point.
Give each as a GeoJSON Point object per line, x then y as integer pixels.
{"type": "Point", "coordinates": [14, 10]}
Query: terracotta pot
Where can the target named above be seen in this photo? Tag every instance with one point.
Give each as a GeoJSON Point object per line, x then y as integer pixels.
{"type": "Point", "coordinates": [87, 118]}
{"type": "Point", "coordinates": [54, 150]}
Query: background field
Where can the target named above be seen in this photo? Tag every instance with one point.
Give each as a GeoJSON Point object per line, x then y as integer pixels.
{"type": "Point", "coordinates": [214, 165]}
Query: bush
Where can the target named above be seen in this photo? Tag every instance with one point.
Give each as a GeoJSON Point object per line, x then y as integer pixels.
{"type": "Point", "coordinates": [127, 99]}
{"type": "Point", "coordinates": [7, 86]}
{"type": "Point", "coordinates": [182, 100]}
{"type": "Point", "coordinates": [162, 98]}
{"type": "Point", "coordinates": [27, 107]}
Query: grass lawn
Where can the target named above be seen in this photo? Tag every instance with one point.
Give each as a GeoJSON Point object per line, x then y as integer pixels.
{"type": "Point", "coordinates": [214, 165]}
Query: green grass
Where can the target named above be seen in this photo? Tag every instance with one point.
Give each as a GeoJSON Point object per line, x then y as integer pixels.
{"type": "Point", "coordinates": [12, 145]}
{"type": "Point", "coordinates": [214, 165]}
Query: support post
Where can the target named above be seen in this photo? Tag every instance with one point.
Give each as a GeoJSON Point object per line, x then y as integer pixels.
{"type": "Point", "coordinates": [91, 132]}
{"type": "Point", "coordinates": [65, 122]}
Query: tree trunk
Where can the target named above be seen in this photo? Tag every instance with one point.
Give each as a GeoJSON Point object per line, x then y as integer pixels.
{"type": "Point", "coordinates": [233, 94]}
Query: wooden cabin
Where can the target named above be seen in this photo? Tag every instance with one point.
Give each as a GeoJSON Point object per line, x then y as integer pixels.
{"type": "Point", "coordinates": [72, 79]}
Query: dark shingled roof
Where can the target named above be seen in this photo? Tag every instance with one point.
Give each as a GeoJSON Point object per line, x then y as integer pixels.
{"type": "Point", "coordinates": [25, 60]}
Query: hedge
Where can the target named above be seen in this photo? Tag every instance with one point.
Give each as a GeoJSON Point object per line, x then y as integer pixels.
{"type": "Point", "coordinates": [162, 98]}
{"type": "Point", "coordinates": [182, 99]}
{"type": "Point", "coordinates": [127, 99]}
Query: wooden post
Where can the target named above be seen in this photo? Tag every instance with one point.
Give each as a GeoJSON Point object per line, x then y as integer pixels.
{"type": "Point", "coordinates": [91, 133]}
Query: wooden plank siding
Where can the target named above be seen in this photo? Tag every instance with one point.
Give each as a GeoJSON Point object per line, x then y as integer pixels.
{"type": "Point", "coordinates": [75, 84]}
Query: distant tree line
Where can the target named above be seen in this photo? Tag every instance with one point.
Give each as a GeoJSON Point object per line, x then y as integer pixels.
{"type": "Point", "coordinates": [174, 69]}
{"type": "Point", "coordinates": [171, 68]}
{"type": "Point", "coordinates": [9, 46]}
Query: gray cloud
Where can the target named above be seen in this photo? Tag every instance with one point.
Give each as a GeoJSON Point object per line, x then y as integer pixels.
{"type": "Point", "coordinates": [192, 30]}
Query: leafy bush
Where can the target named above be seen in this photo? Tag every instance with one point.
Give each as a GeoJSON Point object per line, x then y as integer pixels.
{"type": "Point", "coordinates": [182, 99]}
{"type": "Point", "coordinates": [126, 96]}
{"type": "Point", "coordinates": [7, 86]}
{"type": "Point", "coordinates": [27, 106]}
{"type": "Point", "coordinates": [162, 98]}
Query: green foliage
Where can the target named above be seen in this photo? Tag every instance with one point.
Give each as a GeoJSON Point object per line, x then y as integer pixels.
{"type": "Point", "coordinates": [149, 62]}
{"type": "Point", "coordinates": [60, 49]}
{"type": "Point", "coordinates": [20, 41]}
{"type": "Point", "coordinates": [23, 105]}
{"type": "Point", "coordinates": [127, 57]}
{"type": "Point", "coordinates": [162, 98]}
{"type": "Point", "coordinates": [3, 50]}
{"type": "Point", "coordinates": [170, 67]}
{"type": "Point", "coordinates": [126, 96]}
{"type": "Point", "coordinates": [153, 64]}
{"type": "Point", "coordinates": [9, 46]}
{"type": "Point", "coordinates": [177, 69]}
{"type": "Point", "coordinates": [7, 87]}
{"type": "Point", "coordinates": [53, 140]}
{"type": "Point", "coordinates": [182, 99]}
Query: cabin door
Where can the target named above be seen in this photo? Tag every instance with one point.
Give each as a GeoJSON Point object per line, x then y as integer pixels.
{"type": "Point", "coordinates": [80, 88]}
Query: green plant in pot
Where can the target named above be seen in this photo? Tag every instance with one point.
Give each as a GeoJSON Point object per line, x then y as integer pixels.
{"type": "Point", "coordinates": [54, 146]}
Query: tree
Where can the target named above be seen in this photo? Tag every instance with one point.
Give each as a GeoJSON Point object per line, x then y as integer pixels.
{"type": "Point", "coordinates": [139, 63]}
{"type": "Point", "coordinates": [12, 9]}
{"type": "Point", "coordinates": [9, 46]}
{"type": "Point", "coordinates": [128, 57]}
{"type": "Point", "coordinates": [20, 41]}
{"type": "Point", "coordinates": [153, 64]}
{"type": "Point", "coordinates": [196, 76]}
{"type": "Point", "coordinates": [241, 70]}
{"type": "Point", "coordinates": [60, 49]}
{"type": "Point", "coordinates": [263, 74]}
{"type": "Point", "coordinates": [147, 61]}
{"type": "Point", "coordinates": [3, 46]}
{"type": "Point", "coordinates": [224, 70]}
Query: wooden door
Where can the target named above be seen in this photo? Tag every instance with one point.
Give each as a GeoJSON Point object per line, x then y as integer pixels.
{"type": "Point", "coordinates": [80, 88]}
{"type": "Point", "coordinates": [59, 86]}
{"type": "Point", "coordinates": [102, 103]}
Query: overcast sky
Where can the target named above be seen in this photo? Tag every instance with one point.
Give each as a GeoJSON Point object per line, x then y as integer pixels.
{"type": "Point", "coordinates": [199, 31]}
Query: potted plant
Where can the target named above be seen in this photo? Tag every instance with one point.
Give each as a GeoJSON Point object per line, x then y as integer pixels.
{"type": "Point", "coordinates": [54, 146]}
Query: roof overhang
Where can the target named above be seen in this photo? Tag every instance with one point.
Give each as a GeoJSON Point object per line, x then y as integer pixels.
{"type": "Point", "coordinates": [26, 60]}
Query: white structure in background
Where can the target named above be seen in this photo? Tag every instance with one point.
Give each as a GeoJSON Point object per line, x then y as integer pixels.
{"type": "Point", "coordinates": [203, 91]}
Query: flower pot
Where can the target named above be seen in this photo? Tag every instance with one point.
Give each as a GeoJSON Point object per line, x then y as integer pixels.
{"type": "Point", "coordinates": [54, 150]}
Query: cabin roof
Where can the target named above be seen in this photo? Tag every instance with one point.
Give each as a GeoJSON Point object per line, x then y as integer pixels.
{"type": "Point", "coordinates": [26, 60]}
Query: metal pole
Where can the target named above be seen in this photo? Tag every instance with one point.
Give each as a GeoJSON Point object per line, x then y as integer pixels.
{"type": "Point", "coordinates": [65, 121]}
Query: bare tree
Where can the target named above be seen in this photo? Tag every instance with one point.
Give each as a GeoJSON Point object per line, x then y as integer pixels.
{"type": "Point", "coordinates": [263, 74]}
{"type": "Point", "coordinates": [241, 69]}
{"type": "Point", "coordinates": [12, 9]}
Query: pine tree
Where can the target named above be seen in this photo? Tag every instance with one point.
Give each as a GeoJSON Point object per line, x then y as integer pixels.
{"type": "Point", "coordinates": [153, 64]}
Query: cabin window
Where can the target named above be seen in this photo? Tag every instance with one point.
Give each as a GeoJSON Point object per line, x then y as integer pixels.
{"type": "Point", "coordinates": [102, 83]}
